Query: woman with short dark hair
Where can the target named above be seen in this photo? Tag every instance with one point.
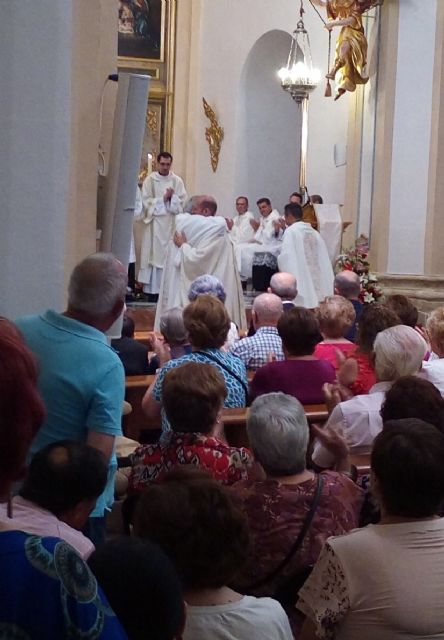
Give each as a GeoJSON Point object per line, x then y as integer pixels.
{"type": "Point", "coordinates": [358, 372]}
{"type": "Point", "coordinates": [414, 397]}
{"type": "Point", "coordinates": [301, 374]}
{"type": "Point", "coordinates": [193, 396]}
{"type": "Point", "coordinates": [207, 323]}
{"type": "Point", "coordinates": [385, 581]}
{"type": "Point", "coordinates": [142, 586]}
{"type": "Point", "coordinates": [195, 521]}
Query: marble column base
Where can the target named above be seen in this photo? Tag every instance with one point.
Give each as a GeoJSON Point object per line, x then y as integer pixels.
{"type": "Point", "coordinates": [426, 292]}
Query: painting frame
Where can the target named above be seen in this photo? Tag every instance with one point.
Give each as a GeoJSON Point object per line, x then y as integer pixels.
{"type": "Point", "coordinates": [167, 20]}
{"type": "Point", "coordinates": [161, 95]}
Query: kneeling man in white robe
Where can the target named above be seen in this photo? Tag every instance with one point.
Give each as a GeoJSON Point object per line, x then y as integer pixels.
{"type": "Point", "coordinates": [201, 244]}
{"type": "Point", "coordinates": [267, 238]}
{"type": "Point", "coordinates": [305, 255]}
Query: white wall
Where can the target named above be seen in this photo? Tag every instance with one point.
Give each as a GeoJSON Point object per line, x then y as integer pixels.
{"type": "Point", "coordinates": [55, 56]}
{"type": "Point", "coordinates": [35, 110]}
{"type": "Point", "coordinates": [269, 123]}
{"type": "Point", "coordinates": [411, 136]}
{"type": "Point", "coordinates": [219, 38]}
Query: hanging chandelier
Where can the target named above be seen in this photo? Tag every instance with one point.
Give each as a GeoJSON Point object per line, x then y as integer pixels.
{"type": "Point", "coordinates": [299, 77]}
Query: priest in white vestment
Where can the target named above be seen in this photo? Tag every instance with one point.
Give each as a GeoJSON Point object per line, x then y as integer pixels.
{"type": "Point", "coordinates": [241, 228]}
{"type": "Point", "coordinates": [201, 245]}
{"type": "Point", "coordinates": [163, 195]}
{"type": "Point", "coordinates": [305, 255]}
{"type": "Point", "coordinates": [267, 238]}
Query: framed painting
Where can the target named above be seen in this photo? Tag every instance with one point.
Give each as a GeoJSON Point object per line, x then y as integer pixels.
{"type": "Point", "coordinates": [146, 44]}
{"type": "Point", "coordinates": [143, 29]}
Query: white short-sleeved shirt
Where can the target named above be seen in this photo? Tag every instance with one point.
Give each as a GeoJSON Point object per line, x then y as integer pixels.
{"type": "Point", "coordinates": [433, 371]}
{"type": "Point", "coordinates": [247, 619]}
{"type": "Point", "coordinates": [359, 420]}
{"type": "Point", "coordinates": [383, 582]}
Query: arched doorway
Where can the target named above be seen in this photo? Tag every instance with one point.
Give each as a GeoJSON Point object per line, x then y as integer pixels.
{"type": "Point", "coordinates": [268, 141]}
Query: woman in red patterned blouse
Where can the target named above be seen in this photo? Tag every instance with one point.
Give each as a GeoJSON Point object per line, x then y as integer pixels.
{"type": "Point", "coordinates": [193, 396]}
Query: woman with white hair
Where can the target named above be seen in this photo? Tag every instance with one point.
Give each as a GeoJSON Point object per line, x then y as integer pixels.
{"type": "Point", "coordinates": [293, 511]}
{"type": "Point", "coordinates": [397, 351]}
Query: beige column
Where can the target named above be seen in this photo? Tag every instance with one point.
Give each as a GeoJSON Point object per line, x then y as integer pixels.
{"type": "Point", "coordinates": [434, 238]}
{"type": "Point", "coordinates": [55, 58]}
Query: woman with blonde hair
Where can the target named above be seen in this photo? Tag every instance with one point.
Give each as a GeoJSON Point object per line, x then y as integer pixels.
{"type": "Point", "coordinates": [433, 369]}
{"type": "Point", "coordinates": [336, 316]}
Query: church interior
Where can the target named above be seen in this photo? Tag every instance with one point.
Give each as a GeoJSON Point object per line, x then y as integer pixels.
{"type": "Point", "coordinates": [376, 151]}
{"type": "Point", "coordinates": [287, 478]}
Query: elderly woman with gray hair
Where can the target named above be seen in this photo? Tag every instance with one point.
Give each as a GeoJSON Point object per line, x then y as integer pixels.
{"type": "Point", "coordinates": [397, 351]}
{"type": "Point", "coordinates": [294, 510]}
{"type": "Point", "coordinates": [175, 344]}
{"type": "Point", "coordinates": [212, 286]}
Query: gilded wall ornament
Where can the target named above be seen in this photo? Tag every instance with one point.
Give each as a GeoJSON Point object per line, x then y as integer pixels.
{"type": "Point", "coordinates": [152, 121]}
{"type": "Point", "coordinates": [214, 135]}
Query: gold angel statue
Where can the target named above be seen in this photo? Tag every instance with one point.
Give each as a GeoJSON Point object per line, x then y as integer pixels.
{"type": "Point", "coordinates": [351, 47]}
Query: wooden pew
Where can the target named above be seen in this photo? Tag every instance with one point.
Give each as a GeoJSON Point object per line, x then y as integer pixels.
{"type": "Point", "coordinates": [132, 424]}
{"type": "Point", "coordinates": [235, 422]}
{"type": "Point", "coordinates": [234, 419]}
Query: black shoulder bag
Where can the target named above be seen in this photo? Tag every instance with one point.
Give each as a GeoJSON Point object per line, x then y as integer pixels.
{"type": "Point", "coordinates": [287, 592]}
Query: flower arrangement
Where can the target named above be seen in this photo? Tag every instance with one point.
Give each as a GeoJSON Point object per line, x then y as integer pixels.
{"type": "Point", "coordinates": [356, 259]}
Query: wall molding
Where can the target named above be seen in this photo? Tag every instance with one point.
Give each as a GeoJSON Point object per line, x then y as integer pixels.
{"type": "Point", "coordinates": [426, 292]}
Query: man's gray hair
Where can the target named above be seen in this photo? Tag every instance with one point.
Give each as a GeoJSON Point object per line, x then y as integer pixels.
{"type": "Point", "coordinates": [97, 284]}
{"type": "Point", "coordinates": [347, 284]}
{"type": "Point", "coordinates": [284, 285]}
{"type": "Point", "coordinates": [207, 284]}
{"type": "Point", "coordinates": [278, 433]}
{"type": "Point", "coordinates": [399, 351]}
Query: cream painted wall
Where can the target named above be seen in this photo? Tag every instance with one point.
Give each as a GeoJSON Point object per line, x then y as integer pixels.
{"type": "Point", "coordinates": [55, 56]}
{"type": "Point", "coordinates": [412, 136]}
{"type": "Point", "coordinates": [214, 41]}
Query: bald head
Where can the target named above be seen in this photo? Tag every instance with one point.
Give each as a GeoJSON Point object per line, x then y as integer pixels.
{"type": "Point", "coordinates": [202, 205]}
{"type": "Point", "coordinates": [284, 285]}
{"type": "Point", "coordinates": [267, 309]}
{"type": "Point", "coordinates": [347, 284]}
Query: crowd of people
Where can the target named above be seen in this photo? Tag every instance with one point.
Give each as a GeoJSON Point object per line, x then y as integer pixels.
{"type": "Point", "coordinates": [282, 539]}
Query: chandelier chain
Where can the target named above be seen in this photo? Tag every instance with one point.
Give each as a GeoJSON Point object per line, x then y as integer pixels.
{"type": "Point", "coordinates": [315, 8]}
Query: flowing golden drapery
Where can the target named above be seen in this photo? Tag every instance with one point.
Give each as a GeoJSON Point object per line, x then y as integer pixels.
{"type": "Point", "coordinates": [351, 46]}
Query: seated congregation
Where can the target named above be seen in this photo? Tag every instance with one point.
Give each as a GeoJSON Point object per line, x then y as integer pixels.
{"type": "Point", "coordinates": [267, 541]}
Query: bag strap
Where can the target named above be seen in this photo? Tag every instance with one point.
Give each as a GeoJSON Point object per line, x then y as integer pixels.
{"type": "Point", "coordinates": [299, 539]}
{"type": "Point", "coordinates": [226, 368]}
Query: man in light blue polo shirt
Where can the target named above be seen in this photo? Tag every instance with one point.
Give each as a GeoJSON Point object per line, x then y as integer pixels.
{"type": "Point", "coordinates": [81, 377]}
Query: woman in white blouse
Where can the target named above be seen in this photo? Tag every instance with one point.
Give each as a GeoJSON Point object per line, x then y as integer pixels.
{"type": "Point", "coordinates": [386, 581]}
